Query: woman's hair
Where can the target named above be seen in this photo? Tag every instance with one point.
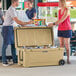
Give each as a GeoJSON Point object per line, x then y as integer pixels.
{"type": "Point", "coordinates": [64, 2]}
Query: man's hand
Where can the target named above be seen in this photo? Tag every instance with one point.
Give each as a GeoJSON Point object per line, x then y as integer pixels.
{"type": "Point", "coordinates": [28, 23]}
{"type": "Point", "coordinates": [21, 22]}
{"type": "Point", "coordinates": [50, 25]}
{"type": "Point", "coordinates": [31, 22]}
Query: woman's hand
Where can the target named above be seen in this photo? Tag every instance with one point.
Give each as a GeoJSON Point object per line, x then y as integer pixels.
{"type": "Point", "coordinates": [50, 25]}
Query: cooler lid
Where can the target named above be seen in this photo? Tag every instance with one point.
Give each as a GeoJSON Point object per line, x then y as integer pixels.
{"type": "Point", "coordinates": [34, 36]}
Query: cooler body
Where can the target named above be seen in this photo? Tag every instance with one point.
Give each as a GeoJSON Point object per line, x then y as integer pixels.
{"type": "Point", "coordinates": [35, 47]}
{"type": "Point", "coordinates": [40, 57]}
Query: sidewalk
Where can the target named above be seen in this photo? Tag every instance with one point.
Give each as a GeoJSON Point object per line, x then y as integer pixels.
{"type": "Point", "coordinates": [15, 70]}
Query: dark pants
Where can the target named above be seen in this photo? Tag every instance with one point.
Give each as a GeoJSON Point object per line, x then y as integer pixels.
{"type": "Point", "coordinates": [13, 52]}
{"type": "Point", "coordinates": [8, 39]}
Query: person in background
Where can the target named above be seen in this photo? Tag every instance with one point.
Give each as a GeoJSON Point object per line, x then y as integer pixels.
{"type": "Point", "coordinates": [1, 14]}
{"type": "Point", "coordinates": [31, 11]}
{"type": "Point", "coordinates": [8, 33]}
{"type": "Point", "coordinates": [64, 28]}
{"type": "Point", "coordinates": [73, 39]}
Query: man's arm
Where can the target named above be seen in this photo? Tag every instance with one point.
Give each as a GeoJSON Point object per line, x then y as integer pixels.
{"type": "Point", "coordinates": [3, 18]}
{"type": "Point", "coordinates": [34, 11]}
{"type": "Point", "coordinates": [34, 16]}
{"type": "Point", "coordinates": [21, 22]}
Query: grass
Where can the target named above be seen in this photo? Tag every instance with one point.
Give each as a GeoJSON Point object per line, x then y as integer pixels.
{"type": "Point", "coordinates": [72, 13]}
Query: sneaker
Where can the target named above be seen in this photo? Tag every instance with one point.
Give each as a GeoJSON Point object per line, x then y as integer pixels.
{"type": "Point", "coordinates": [5, 64]}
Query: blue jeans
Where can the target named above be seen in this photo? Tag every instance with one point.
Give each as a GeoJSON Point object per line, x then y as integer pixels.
{"type": "Point", "coordinates": [13, 51]}
{"type": "Point", "coordinates": [8, 39]}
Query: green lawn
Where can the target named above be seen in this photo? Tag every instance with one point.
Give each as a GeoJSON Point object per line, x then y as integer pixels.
{"type": "Point", "coordinates": [72, 13]}
{"type": "Point", "coordinates": [53, 14]}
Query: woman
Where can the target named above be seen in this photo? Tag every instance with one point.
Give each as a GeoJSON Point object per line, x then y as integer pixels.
{"type": "Point", "coordinates": [31, 11]}
{"type": "Point", "coordinates": [64, 28]}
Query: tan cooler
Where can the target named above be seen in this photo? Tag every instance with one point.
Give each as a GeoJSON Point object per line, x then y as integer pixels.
{"type": "Point", "coordinates": [33, 37]}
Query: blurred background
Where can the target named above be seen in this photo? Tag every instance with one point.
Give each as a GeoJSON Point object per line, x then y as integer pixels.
{"type": "Point", "coordinates": [45, 9]}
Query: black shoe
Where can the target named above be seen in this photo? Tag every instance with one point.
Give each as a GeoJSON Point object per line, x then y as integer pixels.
{"type": "Point", "coordinates": [5, 64]}
{"type": "Point", "coordinates": [15, 62]}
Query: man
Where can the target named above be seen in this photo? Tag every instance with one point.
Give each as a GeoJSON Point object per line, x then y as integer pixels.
{"type": "Point", "coordinates": [73, 40]}
{"type": "Point", "coordinates": [1, 14]}
{"type": "Point", "coordinates": [7, 31]}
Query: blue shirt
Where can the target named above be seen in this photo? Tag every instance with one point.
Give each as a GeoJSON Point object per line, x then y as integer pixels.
{"type": "Point", "coordinates": [30, 13]}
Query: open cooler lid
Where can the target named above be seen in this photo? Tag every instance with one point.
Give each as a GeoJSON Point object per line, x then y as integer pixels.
{"type": "Point", "coordinates": [34, 36]}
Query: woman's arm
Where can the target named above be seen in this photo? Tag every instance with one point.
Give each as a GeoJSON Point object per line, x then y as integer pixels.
{"type": "Point", "coordinates": [66, 13]}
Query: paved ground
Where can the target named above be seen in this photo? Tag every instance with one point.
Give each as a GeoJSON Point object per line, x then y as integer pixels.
{"type": "Point", "coordinates": [15, 70]}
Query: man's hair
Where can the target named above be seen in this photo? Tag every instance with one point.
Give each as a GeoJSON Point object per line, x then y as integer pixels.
{"type": "Point", "coordinates": [30, 1]}
{"type": "Point", "coordinates": [0, 0]}
{"type": "Point", "coordinates": [14, 1]}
